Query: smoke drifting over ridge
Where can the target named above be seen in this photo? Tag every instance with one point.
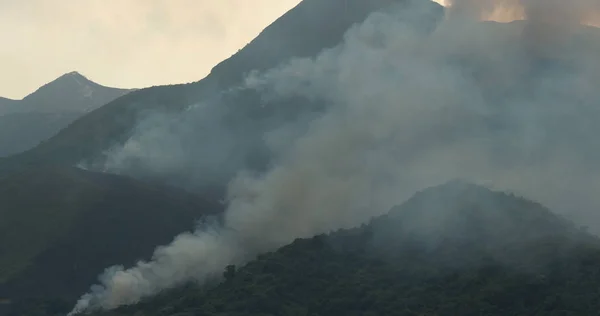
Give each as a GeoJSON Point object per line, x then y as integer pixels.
{"type": "Point", "coordinates": [405, 110]}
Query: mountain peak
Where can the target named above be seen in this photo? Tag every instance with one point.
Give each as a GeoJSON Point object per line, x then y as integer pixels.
{"type": "Point", "coordinates": [73, 75]}
{"type": "Point", "coordinates": [68, 93]}
{"type": "Point", "coordinates": [72, 81]}
{"type": "Point", "coordinates": [72, 78]}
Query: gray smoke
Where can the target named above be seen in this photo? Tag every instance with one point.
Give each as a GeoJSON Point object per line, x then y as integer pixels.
{"type": "Point", "coordinates": [535, 11]}
{"type": "Point", "coordinates": [404, 111]}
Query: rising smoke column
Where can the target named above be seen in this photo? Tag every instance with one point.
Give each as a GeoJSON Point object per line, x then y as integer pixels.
{"type": "Point", "coordinates": [404, 114]}
{"type": "Point", "coordinates": [305, 194]}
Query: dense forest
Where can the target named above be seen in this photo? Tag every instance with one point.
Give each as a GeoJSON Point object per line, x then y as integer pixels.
{"type": "Point", "coordinates": [365, 107]}
{"type": "Point", "coordinates": [486, 253]}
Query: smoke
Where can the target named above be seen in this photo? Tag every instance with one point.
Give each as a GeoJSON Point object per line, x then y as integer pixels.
{"type": "Point", "coordinates": [537, 12]}
{"type": "Point", "coordinates": [194, 146]}
{"type": "Point", "coordinates": [189, 257]}
{"type": "Point", "coordinates": [404, 110]}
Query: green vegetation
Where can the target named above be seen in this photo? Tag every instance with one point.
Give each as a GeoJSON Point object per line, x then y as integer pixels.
{"type": "Point", "coordinates": [452, 250]}
{"type": "Point", "coordinates": [28, 225]}
{"type": "Point", "coordinates": [60, 224]}
{"type": "Point", "coordinates": [486, 253]}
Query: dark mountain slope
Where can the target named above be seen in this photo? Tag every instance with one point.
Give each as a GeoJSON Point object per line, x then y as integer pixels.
{"type": "Point", "coordinates": [40, 115]}
{"type": "Point", "coordinates": [456, 249]}
{"type": "Point", "coordinates": [22, 131]}
{"type": "Point", "coordinates": [5, 103]}
{"type": "Point", "coordinates": [60, 226]}
{"type": "Point", "coordinates": [83, 221]}
{"type": "Point", "coordinates": [302, 32]}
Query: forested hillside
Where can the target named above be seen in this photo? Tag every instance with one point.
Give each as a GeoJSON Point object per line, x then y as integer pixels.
{"type": "Point", "coordinates": [456, 249]}
{"type": "Point", "coordinates": [60, 226]}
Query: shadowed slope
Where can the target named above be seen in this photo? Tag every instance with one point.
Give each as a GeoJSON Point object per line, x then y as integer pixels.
{"type": "Point", "coordinates": [60, 226]}
{"type": "Point", "coordinates": [442, 252]}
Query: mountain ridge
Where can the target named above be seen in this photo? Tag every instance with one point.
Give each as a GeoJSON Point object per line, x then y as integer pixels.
{"type": "Point", "coordinates": [68, 88]}
{"type": "Point", "coordinates": [381, 268]}
{"type": "Point", "coordinates": [7, 100]}
{"type": "Point", "coordinates": [310, 26]}
{"type": "Point", "coordinates": [111, 124]}
{"type": "Point", "coordinates": [41, 114]}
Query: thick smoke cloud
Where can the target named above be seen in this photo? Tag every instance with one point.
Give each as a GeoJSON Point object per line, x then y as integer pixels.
{"type": "Point", "coordinates": [405, 110]}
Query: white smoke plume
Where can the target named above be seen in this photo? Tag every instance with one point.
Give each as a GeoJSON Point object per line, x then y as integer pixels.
{"type": "Point", "coordinates": [406, 111]}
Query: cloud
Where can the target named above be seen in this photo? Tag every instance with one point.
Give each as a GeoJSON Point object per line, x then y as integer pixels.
{"type": "Point", "coordinates": [131, 43]}
{"type": "Point", "coordinates": [402, 110]}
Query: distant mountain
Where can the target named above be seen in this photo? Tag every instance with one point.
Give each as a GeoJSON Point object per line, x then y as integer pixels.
{"type": "Point", "coordinates": [455, 249]}
{"type": "Point", "coordinates": [71, 92]}
{"type": "Point", "coordinates": [60, 226]}
{"type": "Point", "coordinates": [40, 115]}
{"type": "Point", "coordinates": [304, 31]}
{"type": "Point", "coordinates": [5, 102]}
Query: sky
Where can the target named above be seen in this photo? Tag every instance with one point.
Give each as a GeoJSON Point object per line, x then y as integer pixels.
{"type": "Point", "coordinates": [124, 43]}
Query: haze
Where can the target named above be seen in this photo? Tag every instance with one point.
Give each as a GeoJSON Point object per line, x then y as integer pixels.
{"type": "Point", "coordinates": [124, 43]}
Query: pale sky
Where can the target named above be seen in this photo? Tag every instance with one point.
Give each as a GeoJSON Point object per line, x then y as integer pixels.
{"type": "Point", "coordinates": [136, 43]}
{"type": "Point", "coordinates": [124, 43]}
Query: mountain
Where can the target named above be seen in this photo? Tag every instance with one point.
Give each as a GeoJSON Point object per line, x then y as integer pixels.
{"type": "Point", "coordinates": [5, 102]}
{"type": "Point", "coordinates": [455, 249]}
{"type": "Point", "coordinates": [41, 114]}
{"type": "Point", "coordinates": [85, 221]}
{"type": "Point", "coordinates": [304, 31]}
{"type": "Point", "coordinates": [22, 131]}
{"type": "Point", "coordinates": [71, 92]}
{"type": "Point", "coordinates": [60, 226]}
{"type": "Point", "coordinates": [443, 252]}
